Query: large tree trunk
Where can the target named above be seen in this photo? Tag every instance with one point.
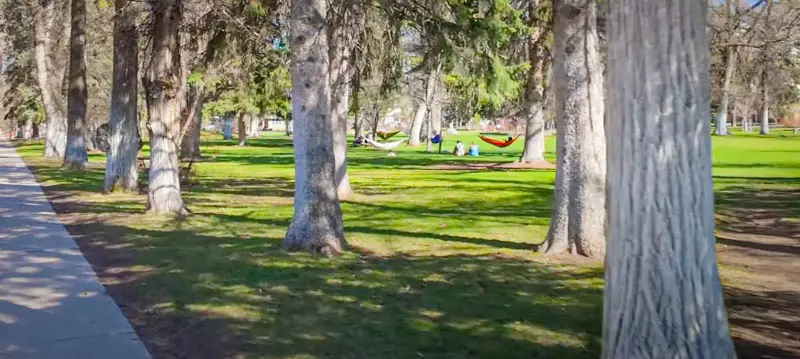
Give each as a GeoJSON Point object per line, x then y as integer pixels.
{"type": "Point", "coordinates": [721, 128]}
{"type": "Point", "coordinates": [193, 123]}
{"type": "Point", "coordinates": [578, 222]}
{"type": "Point", "coordinates": [164, 106]}
{"type": "Point", "coordinates": [123, 119]}
{"type": "Point", "coordinates": [662, 291]}
{"type": "Point", "coordinates": [341, 42]}
{"type": "Point", "coordinates": [533, 151]}
{"type": "Point", "coordinates": [49, 81]}
{"type": "Point", "coordinates": [241, 128]}
{"type": "Point", "coordinates": [75, 155]}
{"type": "Point", "coordinates": [317, 222]}
{"type": "Point", "coordinates": [764, 104]}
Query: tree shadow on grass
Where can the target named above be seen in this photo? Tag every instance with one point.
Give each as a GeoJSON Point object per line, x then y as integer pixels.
{"type": "Point", "coordinates": [762, 211]}
{"type": "Point", "coordinates": [764, 324]}
{"type": "Point", "coordinates": [211, 297]}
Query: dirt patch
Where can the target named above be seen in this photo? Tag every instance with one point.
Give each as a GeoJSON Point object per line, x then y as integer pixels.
{"type": "Point", "coordinates": [541, 165]}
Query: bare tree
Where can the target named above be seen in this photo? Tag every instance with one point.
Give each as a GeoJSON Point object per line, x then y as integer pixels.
{"type": "Point", "coordinates": [163, 87]}
{"type": "Point", "coordinates": [75, 155]}
{"type": "Point", "coordinates": [662, 294]}
{"type": "Point", "coordinates": [317, 222]}
{"type": "Point", "coordinates": [578, 221]}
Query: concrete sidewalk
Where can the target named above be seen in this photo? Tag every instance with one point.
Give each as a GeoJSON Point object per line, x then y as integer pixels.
{"type": "Point", "coordinates": [51, 302]}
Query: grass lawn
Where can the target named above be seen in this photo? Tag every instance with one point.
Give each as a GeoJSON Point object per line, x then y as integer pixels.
{"type": "Point", "coordinates": [440, 262]}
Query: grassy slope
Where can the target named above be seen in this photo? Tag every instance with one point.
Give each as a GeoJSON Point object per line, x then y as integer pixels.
{"type": "Point", "coordinates": [440, 265]}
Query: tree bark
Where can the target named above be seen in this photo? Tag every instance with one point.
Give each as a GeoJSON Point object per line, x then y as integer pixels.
{"type": "Point", "coordinates": [317, 222]}
{"type": "Point", "coordinates": [533, 151]}
{"type": "Point", "coordinates": [424, 107]}
{"type": "Point", "coordinates": [357, 121]}
{"type": "Point", "coordinates": [416, 125]}
{"type": "Point", "coordinates": [578, 221]}
{"type": "Point", "coordinates": [341, 42]}
{"type": "Point", "coordinates": [241, 128]}
{"type": "Point", "coordinates": [190, 142]}
{"type": "Point", "coordinates": [764, 104]}
{"type": "Point", "coordinates": [27, 129]}
{"type": "Point", "coordinates": [49, 81]}
{"type": "Point", "coordinates": [75, 156]}
{"type": "Point", "coordinates": [721, 128]}
{"type": "Point", "coordinates": [163, 106]}
{"type": "Point", "coordinates": [123, 122]}
{"type": "Point", "coordinates": [662, 291]}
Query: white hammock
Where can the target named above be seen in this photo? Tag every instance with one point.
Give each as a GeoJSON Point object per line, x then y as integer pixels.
{"type": "Point", "coordinates": [388, 146]}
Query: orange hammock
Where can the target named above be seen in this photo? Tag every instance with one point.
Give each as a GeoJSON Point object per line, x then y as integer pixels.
{"type": "Point", "coordinates": [498, 143]}
{"type": "Point", "coordinates": [384, 135]}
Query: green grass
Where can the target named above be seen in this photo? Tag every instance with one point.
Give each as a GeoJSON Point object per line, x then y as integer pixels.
{"type": "Point", "coordinates": [440, 262]}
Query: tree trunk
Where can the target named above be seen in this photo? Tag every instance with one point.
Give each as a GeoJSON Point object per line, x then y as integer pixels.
{"type": "Point", "coordinates": [662, 291]}
{"type": "Point", "coordinates": [424, 108]}
{"type": "Point", "coordinates": [163, 106]}
{"type": "Point", "coordinates": [578, 222]}
{"type": "Point", "coordinates": [190, 142]}
{"type": "Point", "coordinates": [764, 104]}
{"type": "Point", "coordinates": [416, 125]}
{"type": "Point", "coordinates": [123, 122]}
{"type": "Point", "coordinates": [357, 124]}
{"type": "Point", "coordinates": [75, 156]}
{"type": "Point", "coordinates": [317, 222]}
{"type": "Point", "coordinates": [241, 129]}
{"type": "Point", "coordinates": [27, 129]}
{"type": "Point", "coordinates": [340, 74]}
{"type": "Point", "coordinates": [533, 151]}
{"type": "Point", "coordinates": [721, 128]}
{"type": "Point", "coordinates": [376, 120]}
{"type": "Point", "coordinates": [49, 81]}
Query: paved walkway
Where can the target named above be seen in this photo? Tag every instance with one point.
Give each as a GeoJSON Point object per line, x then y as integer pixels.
{"type": "Point", "coordinates": [51, 302]}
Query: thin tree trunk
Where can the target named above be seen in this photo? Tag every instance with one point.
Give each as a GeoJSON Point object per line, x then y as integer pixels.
{"type": "Point", "coordinates": [429, 128]}
{"type": "Point", "coordinates": [75, 156]}
{"type": "Point", "coordinates": [533, 151]}
{"type": "Point", "coordinates": [578, 223]}
{"type": "Point", "coordinates": [190, 142]}
{"type": "Point", "coordinates": [721, 128]}
{"type": "Point", "coordinates": [764, 104]}
{"type": "Point", "coordinates": [340, 74]}
{"type": "Point", "coordinates": [416, 125]}
{"type": "Point", "coordinates": [123, 122]}
{"type": "Point", "coordinates": [27, 129]}
{"type": "Point", "coordinates": [163, 105]}
{"type": "Point", "coordinates": [241, 128]}
{"type": "Point", "coordinates": [357, 121]}
{"type": "Point", "coordinates": [317, 222]}
{"type": "Point", "coordinates": [663, 297]}
{"type": "Point", "coordinates": [48, 80]}
{"type": "Point", "coordinates": [376, 113]}
{"type": "Point", "coordinates": [424, 107]}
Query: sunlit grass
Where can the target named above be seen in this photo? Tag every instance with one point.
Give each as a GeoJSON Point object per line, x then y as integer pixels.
{"type": "Point", "coordinates": [440, 262]}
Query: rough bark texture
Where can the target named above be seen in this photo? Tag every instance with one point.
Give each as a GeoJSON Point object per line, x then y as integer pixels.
{"type": "Point", "coordinates": [163, 107]}
{"type": "Point", "coordinates": [764, 104]}
{"type": "Point", "coordinates": [341, 42]}
{"type": "Point", "coordinates": [190, 142]}
{"type": "Point", "coordinates": [75, 155]}
{"type": "Point", "coordinates": [533, 151]}
{"type": "Point", "coordinates": [578, 221]}
{"type": "Point", "coordinates": [121, 167]}
{"type": "Point", "coordinates": [241, 128]}
{"type": "Point", "coordinates": [49, 80]}
{"type": "Point", "coordinates": [721, 128]}
{"type": "Point", "coordinates": [317, 222]}
{"type": "Point", "coordinates": [662, 292]}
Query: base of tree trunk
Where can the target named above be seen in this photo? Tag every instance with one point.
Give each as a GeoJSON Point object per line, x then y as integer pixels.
{"type": "Point", "coordinates": [297, 239]}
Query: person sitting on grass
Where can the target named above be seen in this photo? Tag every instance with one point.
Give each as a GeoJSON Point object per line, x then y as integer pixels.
{"type": "Point", "coordinates": [459, 150]}
{"type": "Point", "coordinates": [473, 150]}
